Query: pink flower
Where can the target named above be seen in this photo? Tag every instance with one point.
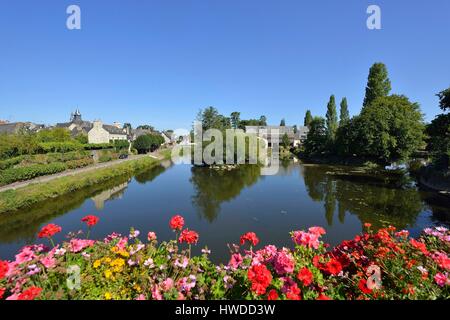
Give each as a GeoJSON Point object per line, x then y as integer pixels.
{"type": "Point", "coordinates": [183, 264]}
{"type": "Point", "coordinates": [187, 283]}
{"type": "Point", "coordinates": [49, 262]}
{"type": "Point", "coordinates": [167, 284]}
{"type": "Point", "coordinates": [140, 297]}
{"type": "Point", "coordinates": [76, 245]}
{"type": "Point", "coordinates": [236, 260]}
{"type": "Point", "coordinates": [122, 243]}
{"type": "Point", "coordinates": [306, 239]}
{"type": "Point", "coordinates": [441, 279]}
{"type": "Point", "coordinates": [317, 230]}
{"type": "Point", "coordinates": [284, 262]}
{"type": "Point", "coordinates": [25, 255]}
{"type": "Point", "coordinates": [151, 236]}
{"type": "Point", "coordinates": [156, 294]}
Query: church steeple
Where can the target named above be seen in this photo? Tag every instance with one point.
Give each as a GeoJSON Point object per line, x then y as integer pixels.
{"type": "Point", "coordinates": [76, 116]}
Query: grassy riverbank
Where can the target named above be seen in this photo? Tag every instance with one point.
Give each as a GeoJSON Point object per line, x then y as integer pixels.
{"type": "Point", "coordinates": [13, 200]}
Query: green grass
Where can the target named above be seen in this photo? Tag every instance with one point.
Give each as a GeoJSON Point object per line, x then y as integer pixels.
{"type": "Point", "coordinates": [12, 200]}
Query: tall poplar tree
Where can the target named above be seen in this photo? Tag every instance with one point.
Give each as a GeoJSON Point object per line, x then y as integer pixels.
{"type": "Point", "coordinates": [378, 83]}
{"type": "Point", "coordinates": [331, 116]}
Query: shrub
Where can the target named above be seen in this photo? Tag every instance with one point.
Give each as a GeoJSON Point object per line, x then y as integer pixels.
{"type": "Point", "coordinates": [46, 147]}
{"type": "Point", "coordinates": [26, 173]}
{"type": "Point", "coordinates": [98, 146]}
{"type": "Point", "coordinates": [80, 163]}
{"type": "Point", "coordinates": [5, 164]}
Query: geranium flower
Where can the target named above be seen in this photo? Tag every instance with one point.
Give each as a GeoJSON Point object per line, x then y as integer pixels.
{"type": "Point", "coordinates": [25, 255]}
{"type": "Point", "coordinates": [362, 285]}
{"type": "Point", "coordinates": [317, 230]}
{"type": "Point", "coordinates": [284, 262]}
{"type": "Point", "coordinates": [4, 267]}
{"type": "Point", "coordinates": [30, 294]}
{"type": "Point", "coordinates": [250, 237]}
{"type": "Point", "coordinates": [333, 266]}
{"type": "Point", "coordinates": [76, 245]}
{"type": "Point", "coordinates": [323, 297]}
{"type": "Point", "coordinates": [307, 239]}
{"type": "Point", "coordinates": [176, 223]}
{"type": "Point", "coordinates": [441, 279]}
{"type": "Point", "coordinates": [90, 220]}
{"type": "Point", "coordinates": [151, 236]}
{"type": "Point", "coordinates": [273, 295]}
{"type": "Point", "coordinates": [188, 236]}
{"type": "Point", "coordinates": [49, 231]}
{"type": "Point", "coordinates": [419, 245]}
{"type": "Point", "coordinates": [305, 276]}
{"type": "Point", "coordinates": [2, 292]}
{"type": "Point", "coordinates": [291, 289]}
{"type": "Point", "coordinates": [236, 260]}
{"type": "Point", "coordinates": [260, 278]}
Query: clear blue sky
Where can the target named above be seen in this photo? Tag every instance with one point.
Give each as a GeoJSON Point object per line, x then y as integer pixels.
{"type": "Point", "coordinates": [160, 61]}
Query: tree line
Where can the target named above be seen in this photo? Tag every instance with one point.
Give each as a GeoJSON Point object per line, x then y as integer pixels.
{"type": "Point", "coordinates": [389, 127]}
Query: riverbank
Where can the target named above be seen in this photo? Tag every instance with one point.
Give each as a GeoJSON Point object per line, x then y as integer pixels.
{"type": "Point", "coordinates": [435, 180]}
{"type": "Point", "coordinates": [376, 265]}
{"type": "Point", "coordinates": [32, 193]}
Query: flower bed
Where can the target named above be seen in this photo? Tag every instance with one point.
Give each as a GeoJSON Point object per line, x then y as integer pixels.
{"type": "Point", "coordinates": [382, 264]}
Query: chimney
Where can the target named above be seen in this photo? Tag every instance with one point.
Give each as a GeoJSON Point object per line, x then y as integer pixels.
{"type": "Point", "coordinates": [97, 124]}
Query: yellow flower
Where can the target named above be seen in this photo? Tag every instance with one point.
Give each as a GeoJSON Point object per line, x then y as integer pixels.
{"type": "Point", "coordinates": [117, 262]}
{"type": "Point", "coordinates": [123, 253]}
{"type": "Point", "coordinates": [108, 296]}
{"type": "Point", "coordinates": [107, 260]}
{"type": "Point", "coordinates": [117, 269]}
{"type": "Point", "coordinates": [108, 274]}
{"type": "Point", "coordinates": [97, 264]}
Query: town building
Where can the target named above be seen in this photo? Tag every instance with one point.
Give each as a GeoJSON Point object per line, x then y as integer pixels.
{"type": "Point", "coordinates": [276, 133]}
{"type": "Point", "coordinates": [96, 131]}
{"type": "Point", "coordinates": [19, 127]}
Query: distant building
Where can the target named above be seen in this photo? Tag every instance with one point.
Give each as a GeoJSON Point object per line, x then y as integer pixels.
{"type": "Point", "coordinates": [271, 133]}
{"type": "Point", "coordinates": [96, 131]}
{"type": "Point", "coordinates": [17, 127]}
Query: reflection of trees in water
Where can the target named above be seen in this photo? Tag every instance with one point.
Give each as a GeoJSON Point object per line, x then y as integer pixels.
{"type": "Point", "coordinates": [24, 224]}
{"type": "Point", "coordinates": [149, 175]}
{"type": "Point", "coordinates": [213, 187]}
{"type": "Point", "coordinates": [370, 202]}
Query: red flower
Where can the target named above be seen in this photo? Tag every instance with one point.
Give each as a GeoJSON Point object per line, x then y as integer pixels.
{"type": "Point", "coordinates": [177, 222]}
{"type": "Point", "coordinates": [305, 276]}
{"type": "Point", "coordinates": [363, 286]}
{"type": "Point", "coordinates": [30, 294]}
{"type": "Point", "coordinates": [419, 245]}
{"type": "Point", "coordinates": [2, 292]}
{"type": "Point", "coordinates": [260, 277]}
{"type": "Point", "coordinates": [323, 297]}
{"type": "Point", "coordinates": [250, 237]}
{"type": "Point", "coordinates": [188, 236]}
{"type": "Point", "coordinates": [317, 230]}
{"type": "Point", "coordinates": [49, 231]}
{"type": "Point", "coordinates": [91, 220]}
{"type": "Point", "coordinates": [3, 269]}
{"type": "Point", "coordinates": [367, 225]}
{"type": "Point", "coordinates": [333, 266]}
{"type": "Point", "coordinates": [273, 295]}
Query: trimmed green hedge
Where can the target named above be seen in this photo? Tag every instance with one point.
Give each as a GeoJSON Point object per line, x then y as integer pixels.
{"type": "Point", "coordinates": [26, 173]}
{"type": "Point", "coordinates": [5, 164]}
{"type": "Point", "coordinates": [47, 147]}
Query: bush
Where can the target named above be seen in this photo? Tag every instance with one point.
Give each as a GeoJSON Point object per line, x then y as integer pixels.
{"type": "Point", "coordinates": [26, 173]}
{"type": "Point", "coordinates": [5, 164]}
{"type": "Point", "coordinates": [80, 163]}
{"type": "Point", "coordinates": [98, 146]}
{"type": "Point", "coordinates": [46, 147]}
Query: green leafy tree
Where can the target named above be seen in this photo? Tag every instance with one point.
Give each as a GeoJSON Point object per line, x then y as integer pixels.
{"type": "Point", "coordinates": [444, 99]}
{"type": "Point", "coordinates": [282, 123]}
{"type": "Point", "coordinates": [263, 121]}
{"type": "Point", "coordinates": [391, 129]}
{"type": "Point", "coordinates": [285, 141]}
{"type": "Point", "coordinates": [143, 144]}
{"type": "Point", "coordinates": [332, 121]}
{"type": "Point", "coordinates": [344, 116]}
{"type": "Point", "coordinates": [146, 127]}
{"type": "Point", "coordinates": [378, 83]}
{"type": "Point", "coordinates": [235, 119]}
{"type": "Point", "coordinates": [316, 140]}
{"type": "Point", "coordinates": [308, 118]}
{"type": "Point", "coordinates": [438, 132]}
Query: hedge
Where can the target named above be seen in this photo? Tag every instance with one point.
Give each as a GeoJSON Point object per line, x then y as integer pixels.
{"type": "Point", "coordinates": [47, 147]}
{"type": "Point", "coordinates": [79, 163]}
{"type": "Point", "coordinates": [26, 173]}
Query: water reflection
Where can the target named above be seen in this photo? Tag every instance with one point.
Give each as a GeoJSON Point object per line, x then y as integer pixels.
{"type": "Point", "coordinates": [214, 187]}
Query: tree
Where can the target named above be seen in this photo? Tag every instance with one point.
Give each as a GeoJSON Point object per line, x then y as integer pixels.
{"type": "Point", "coordinates": [308, 118]}
{"type": "Point", "coordinates": [391, 129]}
{"type": "Point", "coordinates": [285, 141]}
{"type": "Point", "coordinates": [211, 119]}
{"type": "Point", "coordinates": [344, 116]}
{"type": "Point", "coordinates": [332, 121]}
{"type": "Point", "coordinates": [295, 128]}
{"type": "Point", "coordinates": [282, 123]}
{"type": "Point", "coordinates": [143, 143]}
{"type": "Point", "coordinates": [127, 126]}
{"type": "Point", "coordinates": [263, 121]}
{"type": "Point", "coordinates": [146, 127]}
{"type": "Point", "coordinates": [317, 137]}
{"type": "Point", "coordinates": [438, 132]}
{"type": "Point", "coordinates": [378, 83]}
{"type": "Point", "coordinates": [235, 119]}
{"type": "Point", "coordinates": [444, 99]}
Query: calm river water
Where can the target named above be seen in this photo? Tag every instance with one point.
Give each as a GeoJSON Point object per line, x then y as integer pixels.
{"type": "Point", "coordinates": [223, 205]}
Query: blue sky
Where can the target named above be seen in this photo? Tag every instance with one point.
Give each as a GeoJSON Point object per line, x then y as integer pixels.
{"type": "Point", "coordinates": [159, 62]}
